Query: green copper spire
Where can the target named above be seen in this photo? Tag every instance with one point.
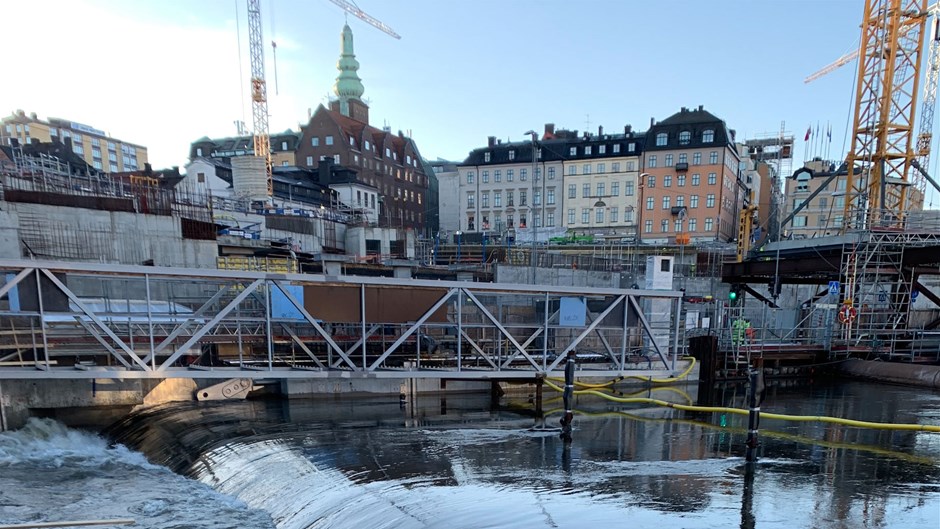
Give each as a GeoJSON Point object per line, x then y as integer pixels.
{"type": "Point", "coordinates": [348, 85]}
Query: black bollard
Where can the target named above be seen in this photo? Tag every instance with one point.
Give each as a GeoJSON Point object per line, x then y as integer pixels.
{"type": "Point", "coordinates": [754, 390]}
{"type": "Point", "coordinates": [567, 397]}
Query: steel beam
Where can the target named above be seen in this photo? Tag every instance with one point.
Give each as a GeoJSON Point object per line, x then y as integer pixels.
{"type": "Point", "coordinates": [8, 286]}
{"type": "Point", "coordinates": [401, 339]}
{"type": "Point", "coordinates": [590, 328]}
{"type": "Point", "coordinates": [502, 329]}
{"type": "Point", "coordinates": [313, 321]}
{"type": "Point", "coordinates": [646, 327]}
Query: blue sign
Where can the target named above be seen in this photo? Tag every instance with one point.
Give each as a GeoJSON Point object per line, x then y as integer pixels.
{"type": "Point", "coordinates": [572, 312]}
{"type": "Point", "coordinates": [914, 294]}
{"type": "Point", "coordinates": [833, 288]}
{"type": "Point", "coordinates": [883, 297]}
{"type": "Point", "coordinates": [281, 306]}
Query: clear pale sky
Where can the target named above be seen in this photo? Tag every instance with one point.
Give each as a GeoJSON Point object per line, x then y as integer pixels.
{"type": "Point", "coordinates": [164, 73]}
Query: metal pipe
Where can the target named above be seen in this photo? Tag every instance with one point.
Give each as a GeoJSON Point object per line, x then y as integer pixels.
{"type": "Point", "coordinates": [568, 396]}
{"type": "Point", "coordinates": [753, 416]}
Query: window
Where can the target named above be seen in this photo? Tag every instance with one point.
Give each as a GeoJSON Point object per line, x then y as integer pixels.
{"type": "Point", "coordinates": [497, 176]}
{"type": "Point", "coordinates": [329, 140]}
{"type": "Point", "coordinates": [336, 159]}
{"type": "Point", "coordinates": [630, 148]}
{"type": "Point", "coordinates": [615, 188]}
{"type": "Point", "coordinates": [523, 174]}
{"type": "Point", "coordinates": [471, 199]}
{"type": "Point", "coordinates": [708, 136]}
{"type": "Point", "coordinates": [572, 191]}
{"type": "Point", "coordinates": [112, 156]}
{"type": "Point", "coordinates": [96, 163]}
{"type": "Point", "coordinates": [469, 174]}
{"type": "Point", "coordinates": [486, 157]}
{"type": "Point", "coordinates": [573, 151]}
{"type": "Point", "coordinates": [509, 175]}
{"type": "Point", "coordinates": [684, 158]}
{"type": "Point", "coordinates": [587, 150]}
{"type": "Point", "coordinates": [571, 216]}
{"type": "Point", "coordinates": [822, 220]}
{"type": "Point", "coordinates": [522, 196]}
{"type": "Point", "coordinates": [685, 137]}
{"type": "Point", "coordinates": [315, 141]}
{"type": "Point", "coordinates": [667, 202]}
{"type": "Point", "coordinates": [550, 197]}
{"type": "Point", "coordinates": [650, 203]}
{"type": "Point", "coordinates": [713, 157]}
{"type": "Point", "coordinates": [661, 139]}
{"type": "Point", "coordinates": [680, 201]}
{"type": "Point", "coordinates": [823, 202]}
{"type": "Point", "coordinates": [114, 168]}
{"type": "Point", "coordinates": [677, 225]}
{"type": "Point", "coordinates": [586, 169]}
{"type": "Point", "coordinates": [648, 226]}
{"type": "Point", "coordinates": [550, 219]}
{"type": "Point", "coordinates": [628, 215]}
{"type": "Point", "coordinates": [799, 221]}
{"type": "Point", "coordinates": [696, 158]}
{"type": "Point", "coordinates": [617, 148]}
{"type": "Point", "coordinates": [601, 149]}
{"type": "Point", "coordinates": [285, 163]}
{"type": "Point", "coordinates": [652, 160]}
{"type": "Point", "coordinates": [599, 215]}
{"type": "Point", "coordinates": [485, 199]}
{"type": "Point", "coordinates": [585, 215]}
{"type": "Point", "coordinates": [601, 188]}
{"type": "Point", "coordinates": [709, 224]}
{"type": "Point", "coordinates": [664, 226]}
{"type": "Point", "coordinates": [615, 167]}
{"type": "Point", "coordinates": [628, 189]}
{"type": "Point", "coordinates": [693, 225]}
{"type": "Point", "coordinates": [695, 179]}
{"type": "Point", "coordinates": [283, 145]}
{"type": "Point", "coordinates": [572, 170]}
{"type": "Point", "coordinates": [601, 168]}
{"type": "Point", "coordinates": [201, 178]}
{"type": "Point", "coordinates": [667, 180]}
{"type": "Point", "coordinates": [497, 199]}
{"type": "Point", "coordinates": [614, 214]}
{"type": "Point", "coordinates": [510, 220]}
{"type": "Point", "coordinates": [712, 179]}
{"type": "Point", "coordinates": [693, 201]}
{"type": "Point", "coordinates": [551, 173]}
{"type": "Point", "coordinates": [680, 180]}
{"type": "Point", "coordinates": [538, 174]}
{"type": "Point", "coordinates": [631, 166]}
{"type": "Point", "coordinates": [512, 155]}
{"type": "Point", "coordinates": [651, 181]}
{"type": "Point", "coordinates": [839, 202]}
{"type": "Point", "coordinates": [509, 201]}
{"type": "Point", "coordinates": [710, 200]}
{"type": "Point", "coordinates": [585, 190]}
{"type": "Point", "coordinates": [668, 161]}
{"type": "Point", "coordinates": [388, 152]}
{"type": "Point", "coordinates": [485, 177]}
{"type": "Point", "coordinates": [367, 145]}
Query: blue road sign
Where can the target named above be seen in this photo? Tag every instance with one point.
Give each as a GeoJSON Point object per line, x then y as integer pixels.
{"type": "Point", "coordinates": [914, 294]}
{"type": "Point", "coordinates": [833, 288]}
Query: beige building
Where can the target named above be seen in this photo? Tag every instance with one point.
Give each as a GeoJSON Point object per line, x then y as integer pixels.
{"type": "Point", "coordinates": [823, 214]}
{"type": "Point", "coordinates": [99, 150]}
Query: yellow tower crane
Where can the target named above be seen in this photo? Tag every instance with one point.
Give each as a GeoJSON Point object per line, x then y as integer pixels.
{"type": "Point", "coordinates": [259, 91]}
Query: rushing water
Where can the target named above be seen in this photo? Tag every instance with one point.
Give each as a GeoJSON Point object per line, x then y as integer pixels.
{"type": "Point", "coordinates": [369, 463]}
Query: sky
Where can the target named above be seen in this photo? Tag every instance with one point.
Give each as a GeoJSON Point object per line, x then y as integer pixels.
{"type": "Point", "coordinates": [163, 73]}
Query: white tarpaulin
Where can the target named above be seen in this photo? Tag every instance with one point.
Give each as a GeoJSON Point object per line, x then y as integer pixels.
{"type": "Point", "coordinates": [524, 235]}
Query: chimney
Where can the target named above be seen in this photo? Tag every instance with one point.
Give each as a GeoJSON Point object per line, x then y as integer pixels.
{"type": "Point", "coordinates": [325, 171]}
{"type": "Point", "coordinates": [600, 130]}
{"type": "Point", "coordinates": [627, 129]}
{"type": "Point", "coordinates": [549, 129]}
{"type": "Point", "coordinates": [652, 122]}
{"type": "Point", "coordinates": [700, 107]}
{"type": "Point", "coordinates": [490, 141]}
{"type": "Point", "coordinates": [33, 115]}
{"type": "Point", "coordinates": [148, 169]}
{"type": "Point", "coordinates": [400, 134]}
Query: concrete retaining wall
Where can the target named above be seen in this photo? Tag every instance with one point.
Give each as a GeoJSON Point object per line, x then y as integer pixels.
{"type": "Point", "coordinates": [910, 374]}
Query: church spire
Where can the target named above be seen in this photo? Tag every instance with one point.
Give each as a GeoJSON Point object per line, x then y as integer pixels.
{"type": "Point", "coordinates": [348, 85]}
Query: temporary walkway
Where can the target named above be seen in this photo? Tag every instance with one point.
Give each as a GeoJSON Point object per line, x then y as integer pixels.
{"type": "Point", "coordinates": [79, 320]}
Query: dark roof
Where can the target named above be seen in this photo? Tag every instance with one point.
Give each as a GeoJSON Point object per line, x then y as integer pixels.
{"type": "Point", "coordinates": [56, 149]}
{"type": "Point", "coordinates": [695, 121]}
{"type": "Point", "coordinates": [245, 144]}
{"type": "Point", "coordinates": [557, 149]}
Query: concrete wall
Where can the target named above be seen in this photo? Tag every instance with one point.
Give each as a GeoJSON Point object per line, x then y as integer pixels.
{"type": "Point", "coordinates": [56, 232]}
{"type": "Point", "coordinates": [557, 276]}
{"type": "Point", "coordinates": [356, 238]}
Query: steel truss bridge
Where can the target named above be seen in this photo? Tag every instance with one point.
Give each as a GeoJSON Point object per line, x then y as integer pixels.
{"type": "Point", "coordinates": [79, 320]}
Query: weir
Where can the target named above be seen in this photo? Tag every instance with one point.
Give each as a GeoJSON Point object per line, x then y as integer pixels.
{"type": "Point", "coordinates": [97, 321]}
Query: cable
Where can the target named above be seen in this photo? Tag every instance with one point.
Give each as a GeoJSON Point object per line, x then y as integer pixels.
{"type": "Point", "coordinates": [610, 383]}
{"type": "Point", "coordinates": [766, 415]}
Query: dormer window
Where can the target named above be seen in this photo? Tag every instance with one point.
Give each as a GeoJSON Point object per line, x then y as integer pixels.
{"type": "Point", "coordinates": [512, 155]}
{"type": "Point", "coordinates": [661, 139]}
{"type": "Point", "coordinates": [708, 136]}
{"type": "Point", "coordinates": [486, 157]}
{"type": "Point", "coordinates": [685, 137]}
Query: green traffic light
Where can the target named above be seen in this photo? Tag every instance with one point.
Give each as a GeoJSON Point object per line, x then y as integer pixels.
{"type": "Point", "coordinates": [732, 295]}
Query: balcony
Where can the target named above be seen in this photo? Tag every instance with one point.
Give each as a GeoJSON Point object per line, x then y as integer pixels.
{"type": "Point", "coordinates": [682, 167]}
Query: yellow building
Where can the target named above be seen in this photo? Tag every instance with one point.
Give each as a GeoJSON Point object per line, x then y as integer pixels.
{"type": "Point", "coordinates": [99, 150]}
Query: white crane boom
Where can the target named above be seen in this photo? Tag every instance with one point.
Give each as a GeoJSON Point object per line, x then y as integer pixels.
{"type": "Point", "coordinates": [835, 65]}
{"type": "Point", "coordinates": [354, 10]}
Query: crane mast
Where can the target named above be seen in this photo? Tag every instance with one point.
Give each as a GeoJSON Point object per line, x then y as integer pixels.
{"type": "Point", "coordinates": [259, 90]}
{"type": "Point", "coordinates": [925, 138]}
{"type": "Point", "coordinates": [882, 152]}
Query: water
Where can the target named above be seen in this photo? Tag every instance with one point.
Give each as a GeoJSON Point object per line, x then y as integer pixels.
{"type": "Point", "coordinates": [455, 463]}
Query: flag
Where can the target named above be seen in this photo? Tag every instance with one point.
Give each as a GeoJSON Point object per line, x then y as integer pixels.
{"type": "Point", "coordinates": [809, 130]}
{"type": "Point", "coordinates": [829, 133]}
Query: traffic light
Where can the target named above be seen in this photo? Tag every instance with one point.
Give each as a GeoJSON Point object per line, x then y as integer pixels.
{"type": "Point", "coordinates": [735, 295]}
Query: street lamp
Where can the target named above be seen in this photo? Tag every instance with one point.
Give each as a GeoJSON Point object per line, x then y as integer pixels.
{"type": "Point", "coordinates": [534, 136]}
{"type": "Point", "coordinates": [458, 234]}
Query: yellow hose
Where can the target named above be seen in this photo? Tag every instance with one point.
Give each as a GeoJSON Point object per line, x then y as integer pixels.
{"type": "Point", "coordinates": [767, 415]}
{"type": "Point", "coordinates": [609, 383]}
